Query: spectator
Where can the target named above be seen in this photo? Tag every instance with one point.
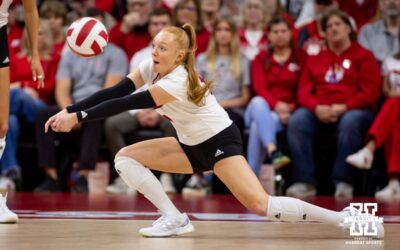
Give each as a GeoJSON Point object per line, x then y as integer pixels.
{"type": "Point", "coordinates": [311, 38]}
{"type": "Point", "coordinates": [210, 10]}
{"type": "Point", "coordinates": [223, 64]}
{"type": "Point", "coordinates": [385, 131]}
{"type": "Point", "coordinates": [380, 37]}
{"type": "Point", "coordinates": [361, 10]}
{"type": "Point", "coordinates": [132, 33]}
{"type": "Point", "coordinates": [275, 75]}
{"type": "Point", "coordinates": [26, 99]}
{"type": "Point", "coordinates": [189, 11]}
{"type": "Point", "coordinates": [253, 37]}
{"type": "Point", "coordinates": [56, 14]}
{"type": "Point", "coordinates": [78, 78]}
{"type": "Point", "coordinates": [339, 86]}
{"type": "Point", "coordinates": [79, 9]}
{"type": "Point", "coordinates": [116, 127]}
{"type": "Point", "coordinates": [228, 69]}
{"type": "Point", "coordinates": [302, 11]}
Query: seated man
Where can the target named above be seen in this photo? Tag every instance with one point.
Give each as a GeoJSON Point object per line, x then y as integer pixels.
{"type": "Point", "coordinates": [338, 86]}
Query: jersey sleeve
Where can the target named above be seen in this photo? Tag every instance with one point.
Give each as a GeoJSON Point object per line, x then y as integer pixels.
{"type": "Point", "coordinates": [175, 86]}
{"type": "Point", "coordinates": [146, 70]}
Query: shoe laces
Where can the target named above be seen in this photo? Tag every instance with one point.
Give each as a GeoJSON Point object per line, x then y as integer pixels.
{"type": "Point", "coordinates": [168, 222]}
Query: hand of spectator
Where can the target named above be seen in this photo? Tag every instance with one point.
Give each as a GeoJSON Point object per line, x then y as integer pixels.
{"type": "Point", "coordinates": [337, 111]}
{"type": "Point", "coordinates": [283, 107]}
{"type": "Point", "coordinates": [284, 117]}
{"type": "Point", "coordinates": [37, 71]}
{"type": "Point", "coordinates": [32, 93]}
{"type": "Point", "coordinates": [61, 122]}
{"type": "Point", "coordinates": [324, 113]}
{"type": "Point", "coordinates": [129, 21]}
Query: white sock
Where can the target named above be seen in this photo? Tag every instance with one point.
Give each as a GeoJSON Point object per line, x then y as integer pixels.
{"type": "Point", "coordinates": [2, 145]}
{"type": "Point", "coordinates": [142, 179]}
{"type": "Point", "coordinates": [294, 210]}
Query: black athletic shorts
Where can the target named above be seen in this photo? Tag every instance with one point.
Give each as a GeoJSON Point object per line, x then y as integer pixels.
{"type": "Point", "coordinates": [226, 143]}
{"type": "Point", "coordinates": [4, 56]}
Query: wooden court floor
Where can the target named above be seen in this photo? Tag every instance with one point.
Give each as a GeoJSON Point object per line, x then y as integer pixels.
{"type": "Point", "coordinates": [122, 234]}
{"type": "Point", "coordinates": [84, 221]}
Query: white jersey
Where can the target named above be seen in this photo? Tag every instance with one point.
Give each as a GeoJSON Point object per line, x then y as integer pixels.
{"type": "Point", "coordinates": [194, 124]}
{"type": "Point", "coordinates": [4, 5]}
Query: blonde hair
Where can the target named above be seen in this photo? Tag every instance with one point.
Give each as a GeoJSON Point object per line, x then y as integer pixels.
{"type": "Point", "coordinates": [47, 37]}
{"type": "Point", "coordinates": [185, 36]}
{"type": "Point", "coordinates": [242, 18]}
{"type": "Point", "coordinates": [234, 48]}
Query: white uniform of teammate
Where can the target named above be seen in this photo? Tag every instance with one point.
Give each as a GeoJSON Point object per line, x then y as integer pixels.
{"type": "Point", "coordinates": [4, 5]}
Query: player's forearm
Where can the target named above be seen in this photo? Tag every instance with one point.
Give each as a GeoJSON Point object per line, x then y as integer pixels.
{"type": "Point", "coordinates": [115, 106]}
{"type": "Point", "coordinates": [125, 87]}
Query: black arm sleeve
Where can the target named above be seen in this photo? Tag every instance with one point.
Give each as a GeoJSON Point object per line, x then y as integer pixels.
{"type": "Point", "coordinates": [115, 106]}
{"type": "Point", "coordinates": [125, 87]}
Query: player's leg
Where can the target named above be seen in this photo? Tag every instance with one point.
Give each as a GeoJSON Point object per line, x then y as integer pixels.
{"type": "Point", "coordinates": [236, 174]}
{"type": "Point", "coordinates": [4, 105]}
{"type": "Point", "coordinates": [133, 163]}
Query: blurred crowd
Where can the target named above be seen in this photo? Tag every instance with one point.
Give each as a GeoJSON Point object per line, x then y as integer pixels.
{"type": "Point", "coordinates": [300, 78]}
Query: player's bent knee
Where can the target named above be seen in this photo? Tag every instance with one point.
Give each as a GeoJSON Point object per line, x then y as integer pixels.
{"type": "Point", "coordinates": [132, 171]}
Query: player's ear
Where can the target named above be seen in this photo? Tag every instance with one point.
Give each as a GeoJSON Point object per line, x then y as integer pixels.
{"type": "Point", "coordinates": [181, 55]}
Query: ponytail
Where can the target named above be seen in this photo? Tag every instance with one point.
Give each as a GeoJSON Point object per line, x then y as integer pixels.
{"type": "Point", "coordinates": [196, 92]}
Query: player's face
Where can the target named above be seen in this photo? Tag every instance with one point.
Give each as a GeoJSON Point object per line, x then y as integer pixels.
{"type": "Point", "coordinates": [166, 53]}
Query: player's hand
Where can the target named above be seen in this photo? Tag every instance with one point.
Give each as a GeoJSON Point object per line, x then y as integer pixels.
{"type": "Point", "coordinates": [37, 71]}
{"type": "Point", "coordinates": [61, 122]}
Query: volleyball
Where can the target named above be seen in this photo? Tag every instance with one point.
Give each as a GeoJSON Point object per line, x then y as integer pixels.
{"type": "Point", "coordinates": [87, 37]}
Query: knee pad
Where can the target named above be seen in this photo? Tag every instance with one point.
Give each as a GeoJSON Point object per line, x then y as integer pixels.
{"type": "Point", "coordinates": [285, 209]}
{"type": "Point", "coordinates": [132, 171]}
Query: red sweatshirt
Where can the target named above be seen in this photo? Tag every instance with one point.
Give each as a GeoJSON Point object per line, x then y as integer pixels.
{"type": "Point", "coordinates": [20, 71]}
{"type": "Point", "coordinates": [352, 78]}
{"type": "Point", "coordinates": [14, 39]}
{"type": "Point", "coordinates": [132, 41]}
{"type": "Point", "coordinates": [202, 38]}
{"type": "Point", "coordinates": [278, 82]}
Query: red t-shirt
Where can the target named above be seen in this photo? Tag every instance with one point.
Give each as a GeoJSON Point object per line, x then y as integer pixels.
{"type": "Point", "coordinates": [132, 41]}
{"type": "Point", "coordinates": [351, 78]}
{"type": "Point", "coordinates": [202, 39]}
{"type": "Point", "coordinates": [20, 71]}
{"type": "Point", "coordinates": [14, 39]}
{"type": "Point", "coordinates": [279, 81]}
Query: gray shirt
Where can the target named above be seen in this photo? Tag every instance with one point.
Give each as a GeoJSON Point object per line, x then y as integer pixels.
{"type": "Point", "coordinates": [225, 86]}
{"type": "Point", "coordinates": [376, 38]}
{"type": "Point", "coordinates": [88, 75]}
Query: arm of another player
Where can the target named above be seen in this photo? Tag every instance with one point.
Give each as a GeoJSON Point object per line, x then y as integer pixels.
{"type": "Point", "coordinates": [32, 25]}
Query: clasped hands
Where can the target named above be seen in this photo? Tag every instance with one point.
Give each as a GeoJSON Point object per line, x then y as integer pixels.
{"type": "Point", "coordinates": [330, 113]}
{"type": "Point", "coordinates": [62, 122]}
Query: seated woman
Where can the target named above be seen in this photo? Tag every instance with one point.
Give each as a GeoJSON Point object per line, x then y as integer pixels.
{"type": "Point", "coordinates": [229, 70]}
{"type": "Point", "coordinates": [25, 99]}
{"type": "Point", "coordinates": [385, 131]}
{"type": "Point", "coordinates": [275, 75]}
